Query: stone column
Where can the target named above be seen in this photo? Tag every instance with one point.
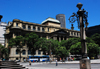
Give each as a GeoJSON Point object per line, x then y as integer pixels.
{"type": "Point", "coordinates": [14, 24]}
{"type": "Point", "coordinates": [6, 42]}
{"type": "Point", "coordinates": [26, 27]}
{"type": "Point", "coordinates": [47, 37]}
{"type": "Point", "coordinates": [63, 38]}
{"type": "Point", "coordinates": [76, 33]}
{"type": "Point", "coordinates": [66, 38]}
{"type": "Point", "coordinates": [59, 39]}
{"type": "Point", "coordinates": [55, 38]}
{"type": "Point", "coordinates": [36, 27]}
{"type": "Point", "coordinates": [70, 33]}
{"type": "Point", "coordinates": [14, 35]}
{"type": "Point", "coordinates": [36, 52]}
{"type": "Point", "coordinates": [20, 25]}
{"type": "Point", "coordinates": [73, 33]}
{"type": "Point", "coordinates": [40, 29]}
{"type": "Point", "coordinates": [79, 34]}
{"type": "Point", "coordinates": [31, 27]}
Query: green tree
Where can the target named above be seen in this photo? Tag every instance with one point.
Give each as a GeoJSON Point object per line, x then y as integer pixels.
{"type": "Point", "coordinates": [4, 52]}
{"type": "Point", "coordinates": [89, 40]}
{"type": "Point", "coordinates": [11, 43]}
{"type": "Point", "coordinates": [76, 49]}
{"type": "Point", "coordinates": [92, 49]}
{"type": "Point", "coordinates": [18, 42]}
{"type": "Point", "coordinates": [50, 45]}
{"type": "Point", "coordinates": [68, 43]}
{"type": "Point", "coordinates": [30, 39]}
{"type": "Point", "coordinates": [47, 44]}
{"type": "Point", "coordinates": [96, 38]}
{"type": "Point", "coordinates": [61, 51]}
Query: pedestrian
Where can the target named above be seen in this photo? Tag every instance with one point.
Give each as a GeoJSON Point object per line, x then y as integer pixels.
{"type": "Point", "coordinates": [30, 63]}
{"type": "Point", "coordinates": [56, 62]}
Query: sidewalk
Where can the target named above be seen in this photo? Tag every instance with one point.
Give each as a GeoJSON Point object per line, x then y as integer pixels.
{"type": "Point", "coordinates": [74, 62]}
{"type": "Point", "coordinates": [26, 64]}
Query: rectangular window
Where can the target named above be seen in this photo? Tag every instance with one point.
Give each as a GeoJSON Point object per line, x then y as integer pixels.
{"type": "Point", "coordinates": [43, 29]}
{"type": "Point", "coordinates": [33, 28]}
{"type": "Point", "coordinates": [71, 33]}
{"type": "Point", "coordinates": [24, 27]}
{"type": "Point", "coordinates": [38, 28]}
{"type": "Point", "coordinates": [17, 52]}
{"type": "Point", "coordinates": [74, 34]}
{"type": "Point", "coordinates": [29, 27]}
{"type": "Point", "coordinates": [39, 52]}
{"type": "Point", "coordinates": [48, 29]}
{"type": "Point", "coordinates": [16, 24]}
{"type": "Point", "coordinates": [23, 52]}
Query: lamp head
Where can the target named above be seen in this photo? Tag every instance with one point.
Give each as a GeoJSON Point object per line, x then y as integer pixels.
{"type": "Point", "coordinates": [79, 5]}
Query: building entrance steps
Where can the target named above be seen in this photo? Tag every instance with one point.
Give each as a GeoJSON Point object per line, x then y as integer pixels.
{"type": "Point", "coordinates": [11, 65]}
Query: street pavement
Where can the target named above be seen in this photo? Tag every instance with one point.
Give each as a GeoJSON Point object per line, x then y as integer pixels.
{"type": "Point", "coordinates": [95, 64]}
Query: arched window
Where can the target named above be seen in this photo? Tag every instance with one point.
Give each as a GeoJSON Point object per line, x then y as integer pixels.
{"type": "Point", "coordinates": [24, 27]}
{"type": "Point", "coordinates": [39, 52]}
{"type": "Point", "coordinates": [43, 29]}
{"type": "Point", "coordinates": [74, 34]}
{"type": "Point", "coordinates": [38, 28]}
{"type": "Point", "coordinates": [17, 51]}
{"type": "Point", "coordinates": [16, 24]}
{"type": "Point", "coordinates": [29, 27]}
{"type": "Point", "coordinates": [24, 52]}
{"type": "Point", "coordinates": [33, 28]}
{"type": "Point", "coordinates": [71, 33]}
{"type": "Point", "coordinates": [48, 29]}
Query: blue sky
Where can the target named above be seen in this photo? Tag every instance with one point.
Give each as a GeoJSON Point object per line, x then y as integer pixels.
{"type": "Point", "coordinates": [37, 11]}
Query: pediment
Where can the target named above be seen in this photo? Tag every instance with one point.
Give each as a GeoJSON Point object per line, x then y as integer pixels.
{"type": "Point", "coordinates": [60, 31]}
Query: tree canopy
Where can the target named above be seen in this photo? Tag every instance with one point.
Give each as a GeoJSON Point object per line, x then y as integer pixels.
{"type": "Point", "coordinates": [96, 38]}
{"type": "Point", "coordinates": [61, 51]}
{"type": "Point", "coordinates": [92, 48]}
{"type": "Point", "coordinates": [76, 49]}
{"type": "Point", "coordinates": [30, 40]}
{"type": "Point", "coordinates": [68, 43]}
{"type": "Point", "coordinates": [47, 44]}
{"type": "Point", "coordinates": [4, 51]}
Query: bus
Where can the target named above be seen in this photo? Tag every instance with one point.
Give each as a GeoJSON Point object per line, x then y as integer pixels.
{"type": "Point", "coordinates": [42, 58]}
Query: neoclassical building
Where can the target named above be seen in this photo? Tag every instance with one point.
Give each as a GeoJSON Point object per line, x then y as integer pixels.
{"type": "Point", "coordinates": [49, 28]}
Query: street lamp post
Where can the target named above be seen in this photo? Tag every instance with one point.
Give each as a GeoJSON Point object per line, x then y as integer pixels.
{"type": "Point", "coordinates": [81, 18]}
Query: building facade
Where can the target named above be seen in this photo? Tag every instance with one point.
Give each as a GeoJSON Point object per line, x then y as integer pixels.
{"type": "Point", "coordinates": [92, 30]}
{"type": "Point", "coordinates": [50, 28]}
{"type": "Point", "coordinates": [2, 31]}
